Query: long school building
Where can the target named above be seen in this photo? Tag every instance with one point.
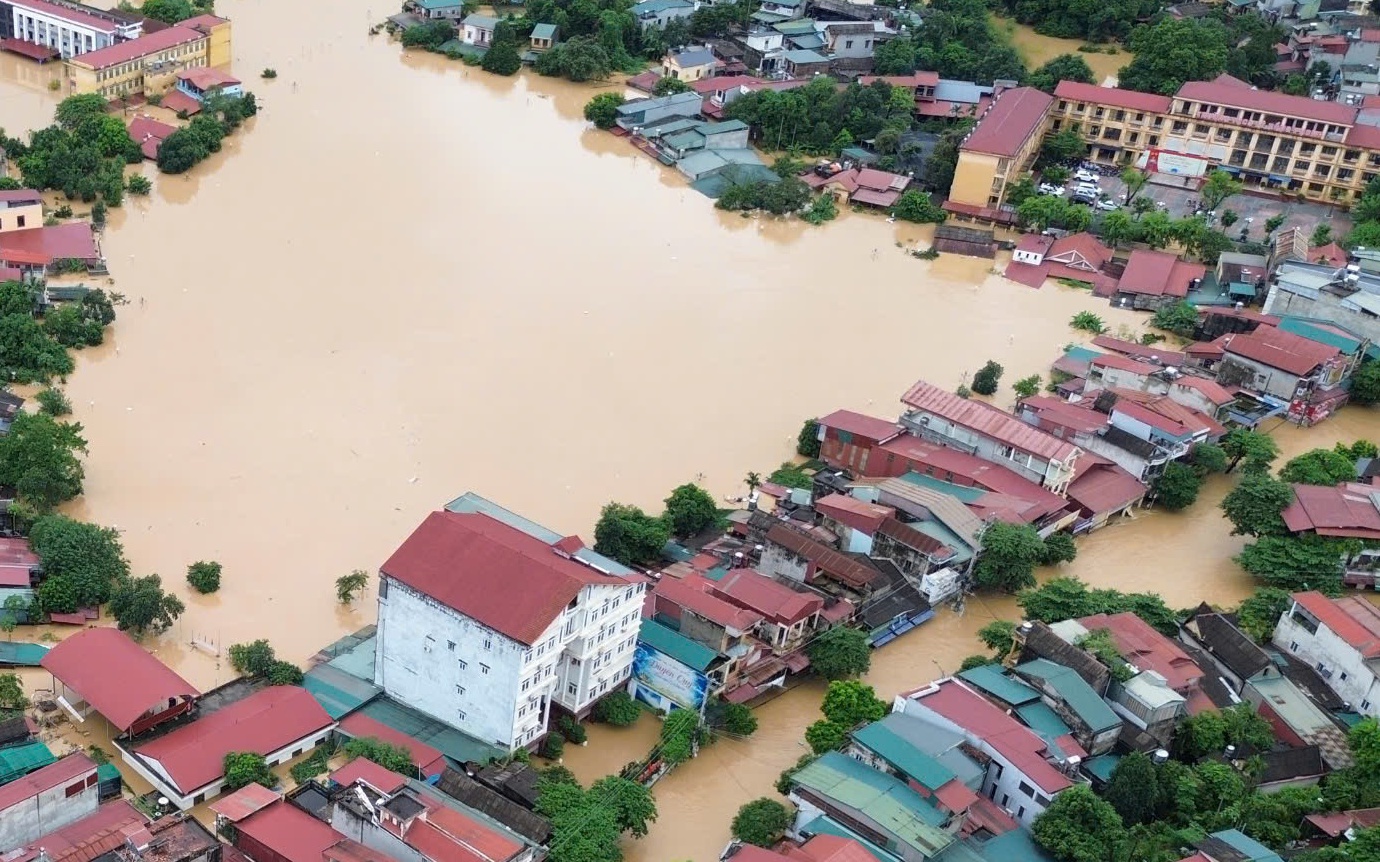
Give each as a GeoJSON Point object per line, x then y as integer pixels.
{"type": "Point", "coordinates": [149, 65]}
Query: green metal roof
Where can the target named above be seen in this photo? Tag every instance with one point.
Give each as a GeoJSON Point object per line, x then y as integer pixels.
{"type": "Point", "coordinates": [338, 692]}
{"type": "Point", "coordinates": [1018, 845]}
{"type": "Point", "coordinates": [1082, 354]}
{"type": "Point", "coordinates": [826, 825]}
{"type": "Point", "coordinates": [1320, 334]}
{"type": "Point", "coordinates": [804, 25]}
{"type": "Point", "coordinates": [1043, 720]}
{"type": "Point", "coordinates": [20, 760]}
{"type": "Point", "coordinates": [544, 31]}
{"type": "Point", "coordinates": [916, 764]}
{"type": "Point", "coordinates": [676, 645]}
{"type": "Point", "coordinates": [22, 654]}
{"type": "Point", "coordinates": [1254, 851]}
{"type": "Point", "coordinates": [455, 744]}
{"type": "Point", "coordinates": [107, 772]}
{"type": "Point", "coordinates": [674, 552]}
{"type": "Point", "coordinates": [1103, 765]}
{"type": "Point", "coordinates": [1074, 691]}
{"type": "Point", "coordinates": [963, 493]}
{"type": "Point", "coordinates": [991, 679]}
{"type": "Point", "coordinates": [889, 803]}
{"type": "Point", "coordinates": [433, 5]}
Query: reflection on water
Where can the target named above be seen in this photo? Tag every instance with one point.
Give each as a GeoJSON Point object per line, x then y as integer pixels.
{"type": "Point", "coordinates": [406, 279]}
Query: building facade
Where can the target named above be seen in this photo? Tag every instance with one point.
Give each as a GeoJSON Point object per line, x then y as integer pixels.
{"type": "Point", "coordinates": [69, 29]}
{"type": "Point", "coordinates": [49, 799]}
{"type": "Point", "coordinates": [20, 209]}
{"type": "Point", "coordinates": [1340, 638]}
{"type": "Point", "coordinates": [136, 67]}
{"type": "Point", "coordinates": [1001, 148]}
{"type": "Point", "coordinates": [487, 621]}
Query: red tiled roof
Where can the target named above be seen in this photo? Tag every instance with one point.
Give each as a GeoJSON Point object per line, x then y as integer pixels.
{"type": "Point", "coordinates": [143, 128]}
{"type": "Point", "coordinates": [17, 559]}
{"type": "Point", "coordinates": [41, 53]}
{"type": "Point", "coordinates": [203, 22]}
{"type": "Point", "coordinates": [1364, 136]}
{"type": "Point", "coordinates": [772, 599]}
{"type": "Point", "coordinates": [860, 425]}
{"type": "Point", "coordinates": [428, 759]}
{"type": "Point", "coordinates": [1014, 741]}
{"type": "Point", "coordinates": [53, 775]}
{"type": "Point", "coordinates": [1115, 97]}
{"type": "Point", "coordinates": [180, 103]}
{"type": "Point", "coordinates": [366, 770]}
{"type": "Point", "coordinates": [86, 839]}
{"type": "Point", "coordinates": [1144, 352]}
{"type": "Point", "coordinates": [1344, 511]}
{"type": "Point", "coordinates": [838, 566]}
{"type": "Point", "coordinates": [264, 722]}
{"type": "Point", "coordinates": [990, 214]}
{"type": "Point", "coordinates": [1237, 96]}
{"type": "Point", "coordinates": [1353, 619]}
{"type": "Point", "coordinates": [1141, 645]}
{"type": "Point", "coordinates": [859, 514]}
{"type": "Point", "coordinates": [1278, 349]}
{"type": "Point", "coordinates": [205, 77]}
{"type": "Point", "coordinates": [41, 246]}
{"type": "Point", "coordinates": [289, 832]}
{"type": "Point", "coordinates": [833, 848]}
{"type": "Point", "coordinates": [882, 181]}
{"type": "Point", "coordinates": [1123, 363]}
{"type": "Point", "coordinates": [513, 583]}
{"type": "Point", "coordinates": [1158, 273]}
{"type": "Point", "coordinates": [75, 16]}
{"type": "Point", "coordinates": [1015, 115]}
{"type": "Point", "coordinates": [1035, 242]}
{"type": "Point", "coordinates": [1210, 389]}
{"type": "Point", "coordinates": [244, 802]}
{"type": "Point", "coordinates": [1105, 488]}
{"type": "Point", "coordinates": [987, 420]}
{"type": "Point", "coordinates": [346, 850]}
{"type": "Point", "coordinates": [693, 594]}
{"type": "Point", "coordinates": [917, 79]}
{"type": "Point", "coordinates": [938, 108]}
{"type": "Point", "coordinates": [956, 796]}
{"type": "Point", "coordinates": [1063, 413]}
{"type": "Point", "coordinates": [20, 196]}
{"type": "Point", "coordinates": [1034, 500]}
{"type": "Point", "coordinates": [450, 836]}
{"type": "Point", "coordinates": [115, 675]}
{"type": "Point", "coordinates": [149, 43]}
{"type": "Point", "coordinates": [875, 198]}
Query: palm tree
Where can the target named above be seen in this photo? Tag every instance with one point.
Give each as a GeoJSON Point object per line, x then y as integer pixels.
{"type": "Point", "coordinates": [753, 480]}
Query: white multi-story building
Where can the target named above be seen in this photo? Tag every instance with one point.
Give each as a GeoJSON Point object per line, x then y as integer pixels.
{"type": "Point", "coordinates": [68, 28]}
{"type": "Point", "coordinates": [486, 620]}
{"type": "Point", "coordinates": [1340, 638]}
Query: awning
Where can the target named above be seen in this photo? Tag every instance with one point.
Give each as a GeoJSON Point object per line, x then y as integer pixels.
{"type": "Point", "coordinates": [1279, 179]}
{"type": "Point", "coordinates": [743, 693]}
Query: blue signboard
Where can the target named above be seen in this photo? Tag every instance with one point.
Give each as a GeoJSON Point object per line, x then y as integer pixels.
{"type": "Point", "coordinates": [684, 686]}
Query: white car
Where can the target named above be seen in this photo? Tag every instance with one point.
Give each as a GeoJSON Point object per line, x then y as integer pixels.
{"type": "Point", "coordinates": [1087, 189]}
{"type": "Point", "coordinates": [1085, 176]}
{"type": "Point", "coordinates": [1051, 189]}
{"type": "Point", "coordinates": [1107, 205]}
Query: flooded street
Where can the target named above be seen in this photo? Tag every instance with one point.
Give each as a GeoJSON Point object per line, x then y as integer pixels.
{"type": "Point", "coordinates": [406, 279]}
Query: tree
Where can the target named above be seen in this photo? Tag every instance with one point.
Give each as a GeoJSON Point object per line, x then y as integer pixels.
{"type": "Point", "coordinates": [1079, 827]}
{"type": "Point", "coordinates": [1209, 733]}
{"type": "Point", "coordinates": [1059, 548]}
{"type": "Point", "coordinates": [618, 709]}
{"type": "Point", "coordinates": [680, 733]}
{"type": "Point", "coordinates": [75, 111]}
{"type": "Point", "coordinates": [1135, 181]}
{"type": "Point", "coordinates": [850, 703]}
{"type": "Point", "coordinates": [840, 652]}
{"type": "Point", "coordinates": [1177, 487]}
{"type": "Point", "coordinates": [753, 481]}
{"type": "Point", "coordinates": [668, 86]}
{"type": "Point", "coordinates": [1208, 458]}
{"type": "Point", "coordinates": [916, 206]}
{"type": "Point", "coordinates": [825, 735]}
{"type": "Point", "coordinates": [349, 586]}
{"type": "Point", "coordinates": [986, 379]}
{"type": "Point", "coordinates": [52, 402]}
{"type": "Point", "coordinates": [1322, 235]}
{"type": "Point", "coordinates": [1066, 598]}
{"type": "Point", "coordinates": [1319, 467]}
{"type": "Point", "coordinates": [1307, 562]}
{"type": "Point", "coordinates": [284, 673]}
{"type": "Point", "coordinates": [690, 510]}
{"type": "Point", "coordinates": [1259, 613]}
{"type": "Point", "coordinates": [1133, 790]}
{"type": "Point", "coordinates": [1065, 67]}
{"type": "Point", "coordinates": [1063, 146]}
{"type": "Point", "coordinates": [761, 822]}
{"type": "Point", "coordinates": [1181, 318]}
{"type": "Point", "coordinates": [975, 660]}
{"type": "Point", "coordinates": [1170, 52]}
{"type": "Point", "coordinates": [1256, 449]}
{"type": "Point", "coordinates": [807, 441]}
{"type": "Point", "coordinates": [738, 720]}
{"type": "Point", "coordinates": [80, 562]}
{"type": "Point", "coordinates": [999, 635]}
{"type": "Point", "coordinates": [580, 58]}
{"type": "Point", "coordinates": [1118, 227]}
{"type": "Point", "coordinates": [252, 659]}
{"type": "Point", "coordinates": [502, 57]}
{"type": "Point", "coordinates": [629, 535]}
{"type": "Point", "coordinates": [1220, 185]}
{"type": "Point", "coordinates": [394, 758]}
{"type": "Point", "coordinates": [602, 110]}
{"type": "Point", "coordinates": [38, 458]}
{"type": "Point", "coordinates": [140, 605]}
{"type": "Point", "coordinates": [430, 35]}
{"type": "Point", "coordinates": [1358, 449]}
{"type": "Point", "coordinates": [632, 803]}
{"type": "Point", "coordinates": [243, 768]}
{"type": "Point", "coordinates": [204, 576]}
{"type": "Point", "coordinates": [895, 56]}
{"type": "Point", "coordinates": [1010, 553]}
{"type": "Point", "coordinates": [12, 692]}
{"type": "Point", "coordinates": [1365, 382]}
{"type": "Point", "coordinates": [1254, 505]}
{"type": "Point", "coordinates": [1027, 386]}
{"type": "Point", "coordinates": [167, 11]}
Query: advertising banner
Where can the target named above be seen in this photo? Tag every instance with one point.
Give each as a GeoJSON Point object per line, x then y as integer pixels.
{"type": "Point", "coordinates": [669, 678]}
{"type": "Point", "coordinates": [1162, 162]}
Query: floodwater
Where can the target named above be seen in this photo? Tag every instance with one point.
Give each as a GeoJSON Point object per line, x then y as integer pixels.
{"type": "Point", "coordinates": [1037, 50]}
{"type": "Point", "coordinates": [407, 279]}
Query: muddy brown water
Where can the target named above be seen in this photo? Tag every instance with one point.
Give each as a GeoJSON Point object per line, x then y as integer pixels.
{"type": "Point", "coordinates": [407, 279]}
{"type": "Point", "coordinates": [1037, 50]}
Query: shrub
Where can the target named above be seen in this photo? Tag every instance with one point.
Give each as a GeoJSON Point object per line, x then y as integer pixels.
{"type": "Point", "coordinates": [53, 402]}
{"type": "Point", "coordinates": [283, 673]}
{"type": "Point", "coordinates": [269, 73]}
{"type": "Point", "coordinates": [138, 184]}
{"type": "Point", "coordinates": [618, 709]}
{"type": "Point", "coordinates": [394, 758]}
{"type": "Point", "coordinates": [572, 730]}
{"type": "Point", "coordinates": [986, 380]}
{"type": "Point", "coordinates": [761, 822]}
{"type": "Point", "coordinates": [204, 576]}
{"type": "Point", "coordinates": [252, 659]}
{"type": "Point", "coordinates": [1088, 322]}
{"type": "Point", "coordinates": [552, 747]}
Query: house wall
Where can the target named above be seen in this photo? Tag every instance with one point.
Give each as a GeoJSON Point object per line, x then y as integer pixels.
{"type": "Point", "coordinates": [734, 140]}
{"type": "Point", "coordinates": [936, 428]}
{"type": "Point", "coordinates": [851, 455]}
{"type": "Point", "coordinates": [1324, 306]}
{"type": "Point", "coordinates": [128, 78]}
{"type": "Point", "coordinates": [671, 68]}
{"type": "Point", "coordinates": [21, 216]}
{"type": "Point", "coordinates": [258, 852]}
{"type": "Point", "coordinates": [1137, 466]}
{"type": "Point", "coordinates": [1341, 666]}
{"type": "Point", "coordinates": [218, 46]}
{"type": "Point", "coordinates": [975, 180]}
{"type": "Point", "coordinates": [472, 35]}
{"type": "Point", "coordinates": [29, 820]}
{"type": "Point", "coordinates": [779, 562]}
{"type": "Point", "coordinates": [663, 17]}
{"type": "Point", "coordinates": [69, 38]}
{"type": "Point", "coordinates": [1271, 381]}
{"type": "Point", "coordinates": [1035, 258]}
{"type": "Point", "coordinates": [852, 45]}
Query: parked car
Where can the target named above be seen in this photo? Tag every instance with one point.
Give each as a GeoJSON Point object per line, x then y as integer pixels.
{"type": "Point", "coordinates": [1081, 198]}
{"type": "Point", "coordinates": [1107, 205]}
{"type": "Point", "coordinates": [1051, 189]}
{"type": "Point", "coordinates": [1087, 189]}
{"type": "Point", "coordinates": [1085, 176]}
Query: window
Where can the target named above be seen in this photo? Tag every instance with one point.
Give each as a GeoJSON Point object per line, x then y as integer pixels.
{"type": "Point", "coordinates": [483, 668]}
{"type": "Point", "coordinates": [571, 688]}
{"type": "Point", "coordinates": [1294, 646]}
{"type": "Point", "coordinates": [461, 714]}
{"type": "Point", "coordinates": [463, 664]}
{"type": "Point", "coordinates": [522, 710]}
{"type": "Point", "coordinates": [21, 221]}
{"type": "Point", "coordinates": [1021, 811]}
{"type": "Point", "coordinates": [1027, 790]}
{"type": "Point", "coordinates": [629, 593]}
{"type": "Point", "coordinates": [459, 689]}
{"type": "Point", "coordinates": [574, 662]}
{"type": "Point", "coordinates": [1365, 705]}
{"type": "Point", "coordinates": [526, 684]}
{"type": "Point", "coordinates": [450, 645]}
{"type": "Point", "coordinates": [74, 789]}
{"type": "Point", "coordinates": [1342, 675]}
{"type": "Point", "coordinates": [488, 643]}
{"type": "Point", "coordinates": [383, 588]}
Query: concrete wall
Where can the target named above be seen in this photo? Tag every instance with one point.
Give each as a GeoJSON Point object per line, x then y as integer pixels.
{"type": "Point", "coordinates": [1032, 467]}
{"type": "Point", "coordinates": [23, 217]}
{"type": "Point", "coordinates": [973, 178]}
{"type": "Point", "coordinates": [52, 809]}
{"type": "Point", "coordinates": [779, 562]}
{"type": "Point", "coordinates": [1324, 307]}
{"type": "Point", "coordinates": [1271, 381]}
{"type": "Point", "coordinates": [1350, 677]}
{"type": "Point", "coordinates": [128, 78]}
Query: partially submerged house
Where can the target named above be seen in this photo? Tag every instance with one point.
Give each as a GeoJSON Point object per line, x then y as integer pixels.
{"type": "Point", "coordinates": [102, 671]}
